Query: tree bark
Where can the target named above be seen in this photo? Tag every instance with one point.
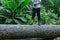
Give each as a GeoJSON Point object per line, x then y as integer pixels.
{"type": "Point", "coordinates": [29, 31]}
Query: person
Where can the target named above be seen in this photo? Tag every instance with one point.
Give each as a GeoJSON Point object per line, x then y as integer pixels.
{"type": "Point", "coordinates": [36, 9]}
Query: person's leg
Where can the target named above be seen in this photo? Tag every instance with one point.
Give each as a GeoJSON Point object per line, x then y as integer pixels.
{"type": "Point", "coordinates": [38, 15]}
{"type": "Point", "coordinates": [33, 14]}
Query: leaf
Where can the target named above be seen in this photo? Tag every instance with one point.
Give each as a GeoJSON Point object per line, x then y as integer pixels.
{"type": "Point", "coordinates": [22, 19]}
{"type": "Point", "coordinates": [11, 4]}
{"type": "Point", "coordinates": [8, 20]}
{"type": "Point", "coordinates": [14, 4]}
{"type": "Point", "coordinates": [2, 16]}
{"type": "Point", "coordinates": [23, 3]}
{"type": "Point", "coordinates": [19, 5]}
{"type": "Point", "coordinates": [17, 21]}
{"type": "Point", "coordinates": [1, 8]}
{"type": "Point", "coordinates": [28, 17]}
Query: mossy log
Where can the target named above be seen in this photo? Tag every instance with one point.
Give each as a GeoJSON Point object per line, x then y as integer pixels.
{"type": "Point", "coordinates": [29, 31]}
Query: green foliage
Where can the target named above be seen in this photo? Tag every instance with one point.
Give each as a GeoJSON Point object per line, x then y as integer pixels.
{"type": "Point", "coordinates": [48, 17]}
{"type": "Point", "coordinates": [11, 13]}
{"type": "Point", "coordinates": [20, 11]}
{"type": "Point", "coordinates": [52, 4]}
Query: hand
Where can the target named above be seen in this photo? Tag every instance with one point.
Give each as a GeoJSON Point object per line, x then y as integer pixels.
{"type": "Point", "coordinates": [35, 4]}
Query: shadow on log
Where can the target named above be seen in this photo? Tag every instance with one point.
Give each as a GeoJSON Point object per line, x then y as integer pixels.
{"type": "Point", "coordinates": [29, 31]}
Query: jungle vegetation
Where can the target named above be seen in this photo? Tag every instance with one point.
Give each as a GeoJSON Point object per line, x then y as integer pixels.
{"type": "Point", "coordinates": [19, 12]}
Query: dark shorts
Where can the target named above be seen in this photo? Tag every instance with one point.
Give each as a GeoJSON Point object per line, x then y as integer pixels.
{"type": "Point", "coordinates": [34, 11]}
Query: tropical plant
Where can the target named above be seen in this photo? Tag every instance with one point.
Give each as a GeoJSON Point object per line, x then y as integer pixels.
{"type": "Point", "coordinates": [19, 12]}
{"type": "Point", "coordinates": [11, 13]}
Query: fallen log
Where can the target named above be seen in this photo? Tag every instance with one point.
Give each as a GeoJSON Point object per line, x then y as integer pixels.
{"type": "Point", "coordinates": [29, 31]}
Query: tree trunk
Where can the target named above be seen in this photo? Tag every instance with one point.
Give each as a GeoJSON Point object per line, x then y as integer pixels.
{"type": "Point", "coordinates": [29, 31]}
